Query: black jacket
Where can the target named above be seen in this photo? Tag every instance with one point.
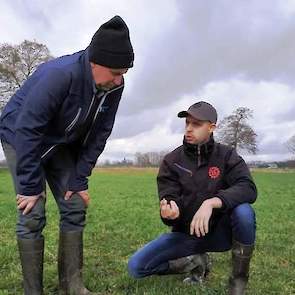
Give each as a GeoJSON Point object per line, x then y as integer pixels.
{"type": "Point", "coordinates": [193, 173]}
{"type": "Point", "coordinates": [53, 108]}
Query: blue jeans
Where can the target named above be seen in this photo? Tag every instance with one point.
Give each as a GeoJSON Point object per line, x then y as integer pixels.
{"type": "Point", "coordinates": [56, 171]}
{"type": "Point", "coordinates": [153, 258]}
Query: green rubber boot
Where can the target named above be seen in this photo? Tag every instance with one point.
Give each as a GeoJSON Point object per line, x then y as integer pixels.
{"type": "Point", "coordinates": [241, 256]}
{"type": "Point", "coordinates": [70, 264]}
{"type": "Point", "coordinates": [31, 253]}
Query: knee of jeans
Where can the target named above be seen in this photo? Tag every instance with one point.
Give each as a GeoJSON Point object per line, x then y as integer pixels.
{"type": "Point", "coordinates": [244, 215]}
{"type": "Point", "coordinates": [134, 268]}
{"type": "Point", "coordinates": [73, 213]}
{"type": "Point", "coordinates": [23, 232]}
{"type": "Point", "coordinates": [73, 221]}
{"type": "Point", "coordinates": [34, 224]}
{"type": "Point", "coordinates": [30, 227]}
{"type": "Point", "coordinates": [35, 220]}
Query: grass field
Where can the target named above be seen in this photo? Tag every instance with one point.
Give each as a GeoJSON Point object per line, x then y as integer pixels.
{"type": "Point", "coordinates": [123, 216]}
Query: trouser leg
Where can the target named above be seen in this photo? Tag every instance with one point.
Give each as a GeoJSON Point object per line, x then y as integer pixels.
{"type": "Point", "coordinates": [72, 223]}
{"type": "Point", "coordinates": [244, 228]}
{"type": "Point", "coordinates": [170, 253]}
{"type": "Point", "coordinates": [29, 234]}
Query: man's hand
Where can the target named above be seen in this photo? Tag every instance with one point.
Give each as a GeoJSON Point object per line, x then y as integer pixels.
{"type": "Point", "coordinates": [26, 203]}
{"type": "Point", "coordinates": [200, 222]}
{"type": "Point", "coordinates": [169, 211]}
{"type": "Point", "coordinates": [83, 194]}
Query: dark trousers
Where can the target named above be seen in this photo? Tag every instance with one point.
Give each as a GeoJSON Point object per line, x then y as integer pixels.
{"type": "Point", "coordinates": [239, 224]}
{"type": "Point", "coordinates": [56, 171]}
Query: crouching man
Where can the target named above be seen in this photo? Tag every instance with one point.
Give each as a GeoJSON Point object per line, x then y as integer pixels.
{"type": "Point", "coordinates": [205, 190]}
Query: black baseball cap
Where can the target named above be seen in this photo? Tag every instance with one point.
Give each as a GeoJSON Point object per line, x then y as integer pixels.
{"type": "Point", "coordinates": [201, 110]}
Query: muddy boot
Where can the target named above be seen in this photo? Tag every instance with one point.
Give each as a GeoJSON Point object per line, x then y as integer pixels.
{"type": "Point", "coordinates": [31, 253]}
{"type": "Point", "coordinates": [196, 264]}
{"type": "Point", "coordinates": [70, 264]}
{"type": "Point", "coordinates": [241, 256]}
{"type": "Point", "coordinates": [201, 271]}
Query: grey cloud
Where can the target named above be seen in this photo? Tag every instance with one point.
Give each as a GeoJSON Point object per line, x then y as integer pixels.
{"type": "Point", "coordinates": [247, 40]}
{"type": "Point", "coordinates": [212, 42]}
{"type": "Point", "coordinates": [288, 116]}
{"type": "Point", "coordinates": [34, 14]}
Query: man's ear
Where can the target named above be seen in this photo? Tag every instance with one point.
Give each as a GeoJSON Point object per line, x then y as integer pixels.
{"type": "Point", "coordinates": [93, 65]}
{"type": "Point", "coordinates": [212, 127]}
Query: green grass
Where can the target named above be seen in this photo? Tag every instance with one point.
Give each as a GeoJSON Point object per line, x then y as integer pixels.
{"type": "Point", "coordinates": [124, 215]}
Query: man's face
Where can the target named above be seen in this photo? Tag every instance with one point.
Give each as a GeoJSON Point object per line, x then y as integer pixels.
{"type": "Point", "coordinates": [197, 131]}
{"type": "Point", "coordinates": [107, 78]}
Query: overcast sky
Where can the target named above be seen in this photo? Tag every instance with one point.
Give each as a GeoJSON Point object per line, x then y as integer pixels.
{"type": "Point", "coordinates": [229, 53]}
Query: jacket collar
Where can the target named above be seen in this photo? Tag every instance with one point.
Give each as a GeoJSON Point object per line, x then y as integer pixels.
{"type": "Point", "coordinates": [83, 78]}
{"type": "Point", "coordinates": [199, 151]}
{"type": "Point", "coordinates": [88, 73]}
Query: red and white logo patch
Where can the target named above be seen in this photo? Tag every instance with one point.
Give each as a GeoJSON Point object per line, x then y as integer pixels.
{"type": "Point", "coordinates": [214, 172]}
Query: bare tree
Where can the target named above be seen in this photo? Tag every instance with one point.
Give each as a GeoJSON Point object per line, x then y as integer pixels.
{"type": "Point", "coordinates": [17, 63]}
{"type": "Point", "coordinates": [235, 131]}
{"type": "Point", "coordinates": [291, 144]}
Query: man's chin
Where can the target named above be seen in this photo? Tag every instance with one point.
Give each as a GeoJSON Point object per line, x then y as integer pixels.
{"type": "Point", "coordinates": [191, 140]}
{"type": "Point", "coordinates": [105, 87]}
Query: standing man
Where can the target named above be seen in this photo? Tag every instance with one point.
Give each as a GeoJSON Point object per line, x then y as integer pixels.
{"type": "Point", "coordinates": [205, 189]}
{"type": "Point", "coordinates": [53, 129]}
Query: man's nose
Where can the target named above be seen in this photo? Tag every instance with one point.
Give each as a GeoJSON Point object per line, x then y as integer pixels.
{"type": "Point", "coordinates": [188, 127]}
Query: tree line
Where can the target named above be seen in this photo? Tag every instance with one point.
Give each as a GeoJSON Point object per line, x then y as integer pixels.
{"type": "Point", "coordinates": [18, 62]}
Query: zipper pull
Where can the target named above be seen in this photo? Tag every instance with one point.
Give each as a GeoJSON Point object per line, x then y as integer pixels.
{"type": "Point", "coordinates": [199, 156]}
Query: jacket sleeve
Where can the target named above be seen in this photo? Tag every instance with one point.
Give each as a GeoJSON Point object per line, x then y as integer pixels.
{"type": "Point", "coordinates": [94, 147]}
{"type": "Point", "coordinates": [241, 187]}
{"type": "Point", "coordinates": [41, 103]}
{"type": "Point", "coordinates": [170, 189]}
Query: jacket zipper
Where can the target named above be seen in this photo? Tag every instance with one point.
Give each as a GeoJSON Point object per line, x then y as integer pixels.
{"type": "Point", "coordinates": [78, 114]}
{"type": "Point", "coordinates": [74, 121]}
{"type": "Point", "coordinates": [50, 149]}
{"type": "Point", "coordinates": [199, 156]}
{"type": "Point", "coordinates": [184, 169]}
{"type": "Point", "coordinates": [94, 118]}
{"type": "Point", "coordinates": [70, 126]}
{"type": "Point", "coordinates": [97, 111]}
{"type": "Point", "coordinates": [90, 106]}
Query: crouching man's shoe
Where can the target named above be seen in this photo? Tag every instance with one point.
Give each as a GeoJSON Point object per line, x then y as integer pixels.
{"type": "Point", "coordinates": [197, 266]}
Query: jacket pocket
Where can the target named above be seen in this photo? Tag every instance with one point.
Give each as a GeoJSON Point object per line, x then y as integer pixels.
{"type": "Point", "coordinates": [189, 172]}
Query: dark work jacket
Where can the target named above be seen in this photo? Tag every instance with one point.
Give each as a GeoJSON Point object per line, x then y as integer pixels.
{"type": "Point", "coordinates": [54, 107]}
{"type": "Point", "coordinates": [193, 173]}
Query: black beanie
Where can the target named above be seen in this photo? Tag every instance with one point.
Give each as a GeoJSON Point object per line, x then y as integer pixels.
{"type": "Point", "coordinates": [111, 46]}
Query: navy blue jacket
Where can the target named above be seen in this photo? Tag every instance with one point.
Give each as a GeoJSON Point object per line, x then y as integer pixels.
{"type": "Point", "coordinates": [49, 110]}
